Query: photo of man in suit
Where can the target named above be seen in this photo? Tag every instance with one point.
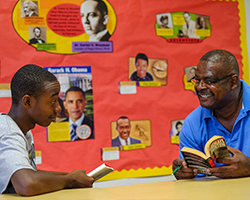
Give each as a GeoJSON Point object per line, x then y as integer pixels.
{"type": "Point", "coordinates": [37, 39]}
{"type": "Point", "coordinates": [123, 127]}
{"type": "Point", "coordinates": [75, 104]}
{"type": "Point", "coordinates": [94, 14]}
{"type": "Point", "coordinates": [30, 8]}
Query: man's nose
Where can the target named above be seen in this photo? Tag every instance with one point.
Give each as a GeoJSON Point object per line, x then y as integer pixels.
{"type": "Point", "coordinates": [201, 84]}
{"type": "Point", "coordinates": [85, 20]}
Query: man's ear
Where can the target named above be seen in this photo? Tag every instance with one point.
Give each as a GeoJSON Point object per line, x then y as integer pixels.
{"type": "Point", "coordinates": [105, 20]}
{"type": "Point", "coordinates": [27, 101]}
{"type": "Point", "coordinates": [234, 82]}
{"type": "Point", "coordinates": [85, 103]}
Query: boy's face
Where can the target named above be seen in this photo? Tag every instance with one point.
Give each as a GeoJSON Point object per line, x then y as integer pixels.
{"type": "Point", "coordinates": [141, 66]}
{"type": "Point", "coordinates": [44, 109]}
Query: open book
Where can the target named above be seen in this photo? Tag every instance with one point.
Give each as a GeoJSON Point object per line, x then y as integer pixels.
{"type": "Point", "coordinates": [100, 171]}
{"type": "Point", "coordinates": [214, 148]}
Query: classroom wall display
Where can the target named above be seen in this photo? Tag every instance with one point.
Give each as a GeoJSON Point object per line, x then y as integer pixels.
{"type": "Point", "coordinates": [65, 27]}
{"type": "Point", "coordinates": [133, 105]}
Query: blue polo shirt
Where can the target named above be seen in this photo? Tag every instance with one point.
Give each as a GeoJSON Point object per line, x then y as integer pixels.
{"type": "Point", "coordinates": [200, 125]}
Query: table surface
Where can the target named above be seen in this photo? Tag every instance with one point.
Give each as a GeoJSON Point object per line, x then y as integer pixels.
{"type": "Point", "coordinates": [202, 188]}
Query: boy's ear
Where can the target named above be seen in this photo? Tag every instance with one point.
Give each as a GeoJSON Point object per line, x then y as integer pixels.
{"type": "Point", "coordinates": [27, 101]}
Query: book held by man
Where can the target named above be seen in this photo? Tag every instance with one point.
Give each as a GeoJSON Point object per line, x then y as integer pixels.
{"type": "Point", "coordinates": [100, 171]}
{"type": "Point", "coordinates": [214, 148]}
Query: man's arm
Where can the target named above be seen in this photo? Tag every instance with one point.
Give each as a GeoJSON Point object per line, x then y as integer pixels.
{"type": "Point", "coordinates": [184, 172]}
{"type": "Point", "coordinates": [28, 182]}
{"type": "Point", "coordinates": [237, 166]}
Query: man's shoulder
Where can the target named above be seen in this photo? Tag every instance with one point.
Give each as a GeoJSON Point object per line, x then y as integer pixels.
{"type": "Point", "coordinates": [135, 140]}
{"type": "Point", "coordinates": [87, 120]}
{"type": "Point", "coordinates": [198, 114]}
{"type": "Point", "coordinates": [134, 76]}
{"type": "Point", "coordinates": [117, 138]}
{"type": "Point", "coordinates": [149, 76]}
{"type": "Point", "coordinates": [106, 37]}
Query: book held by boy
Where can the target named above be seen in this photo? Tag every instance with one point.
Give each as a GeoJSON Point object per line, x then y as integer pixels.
{"type": "Point", "coordinates": [214, 148]}
{"type": "Point", "coordinates": [100, 171]}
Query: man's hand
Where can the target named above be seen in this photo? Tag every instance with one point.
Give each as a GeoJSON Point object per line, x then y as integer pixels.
{"type": "Point", "coordinates": [184, 172]}
{"type": "Point", "coordinates": [237, 166]}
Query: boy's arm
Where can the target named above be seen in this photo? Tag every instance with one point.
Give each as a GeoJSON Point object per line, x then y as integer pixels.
{"type": "Point", "coordinates": [28, 182]}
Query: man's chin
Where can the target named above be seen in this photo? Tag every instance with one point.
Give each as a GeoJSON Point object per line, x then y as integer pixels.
{"type": "Point", "coordinates": [141, 76]}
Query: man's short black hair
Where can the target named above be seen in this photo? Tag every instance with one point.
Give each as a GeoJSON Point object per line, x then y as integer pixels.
{"type": "Point", "coordinates": [29, 80]}
{"type": "Point", "coordinates": [122, 117]}
{"type": "Point", "coordinates": [141, 56]}
{"type": "Point", "coordinates": [226, 58]}
{"type": "Point", "coordinates": [163, 17]}
{"type": "Point", "coordinates": [101, 6]}
{"type": "Point", "coordinates": [75, 89]}
{"type": "Point", "coordinates": [178, 123]}
{"type": "Point", "coordinates": [37, 28]}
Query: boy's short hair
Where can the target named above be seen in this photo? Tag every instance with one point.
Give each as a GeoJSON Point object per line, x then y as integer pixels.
{"type": "Point", "coordinates": [29, 80]}
{"type": "Point", "coordinates": [141, 56]}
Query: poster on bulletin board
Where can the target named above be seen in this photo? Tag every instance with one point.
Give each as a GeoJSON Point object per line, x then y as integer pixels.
{"type": "Point", "coordinates": [125, 70]}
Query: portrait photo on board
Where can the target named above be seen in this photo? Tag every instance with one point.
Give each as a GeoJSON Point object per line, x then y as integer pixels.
{"type": "Point", "coordinates": [142, 68]}
{"type": "Point", "coordinates": [125, 131]}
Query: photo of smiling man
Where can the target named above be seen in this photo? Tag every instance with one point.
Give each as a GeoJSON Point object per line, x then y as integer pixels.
{"type": "Point", "coordinates": [123, 127]}
{"type": "Point", "coordinates": [141, 64]}
{"type": "Point", "coordinates": [94, 14]}
{"type": "Point", "coordinates": [75, 104]}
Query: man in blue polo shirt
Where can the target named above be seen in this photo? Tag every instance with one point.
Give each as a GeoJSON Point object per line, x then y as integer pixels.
{"type": "Point", "coordinates": [224, 111]}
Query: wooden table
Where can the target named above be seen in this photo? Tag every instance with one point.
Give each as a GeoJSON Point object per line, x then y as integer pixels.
{"type": "Point", "coordinates": [202, 189]}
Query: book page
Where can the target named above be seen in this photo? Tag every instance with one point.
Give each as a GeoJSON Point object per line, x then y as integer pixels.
{"type": "Point", "coordinates": [216, 147]}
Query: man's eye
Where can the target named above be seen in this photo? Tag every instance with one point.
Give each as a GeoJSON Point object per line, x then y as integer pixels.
{"type": "Point", "coordinates": [208, 82]}
{"type": "Point", "coordinates": [92, 14]}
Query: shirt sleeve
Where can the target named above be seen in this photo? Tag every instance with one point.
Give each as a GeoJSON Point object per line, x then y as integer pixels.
{"type": "Point", "coordinates": [13, 156]}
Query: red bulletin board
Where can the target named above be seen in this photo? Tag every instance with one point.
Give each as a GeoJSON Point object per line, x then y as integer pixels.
{"type": "Point", "coordinates": [134, 29]}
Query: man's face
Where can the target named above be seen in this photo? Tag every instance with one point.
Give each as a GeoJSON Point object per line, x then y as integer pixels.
{"type": "Point", "coordinates": [44, 109]}
{"type": "Point", "coordinates": [26, 9]}
{"type": "Point", "coordinates": [37, 32]}
{"type": "Point", "coordinates": [187, 17]}
{"type": "Point", "coordinates": [192, 72]}
{"type": "Point", "coordinates": [123, 127]}
{"type": "Point", "coordinates": [217, 95]}
{"type": "Point", "coordinates": [178, 128]}
{"type": "Point", "coordinates": [165, 21]}
{"type": "Point", "coordinates": [92, 19]}
{"type": "Point", "coordinates": [75, 104]}
{"type": "Point", "coordinates": [141, 66]}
